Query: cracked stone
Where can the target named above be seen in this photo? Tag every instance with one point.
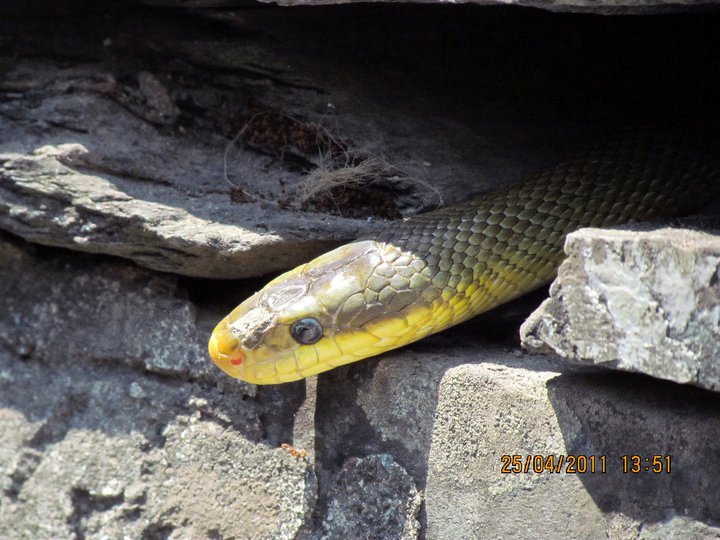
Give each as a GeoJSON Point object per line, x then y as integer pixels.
{"type": "Point", "coordinates": [643, 301]}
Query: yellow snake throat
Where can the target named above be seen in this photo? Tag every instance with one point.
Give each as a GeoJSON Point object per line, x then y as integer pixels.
{"type": "Point", "coordinates": [431, 271]}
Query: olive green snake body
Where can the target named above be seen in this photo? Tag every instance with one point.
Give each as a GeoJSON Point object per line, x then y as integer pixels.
{"type": "Point", "coordinates": [423, 274]}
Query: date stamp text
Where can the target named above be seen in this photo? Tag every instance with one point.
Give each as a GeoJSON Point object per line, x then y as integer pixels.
{"type": "Point", "coordinates": [585, 464]}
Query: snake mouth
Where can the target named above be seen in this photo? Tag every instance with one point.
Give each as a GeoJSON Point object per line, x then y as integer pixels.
{"type": "Point", "coordinates": [225, 351]}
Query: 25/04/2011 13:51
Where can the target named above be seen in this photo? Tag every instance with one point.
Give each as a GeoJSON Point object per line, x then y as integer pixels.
{"type": "Point", "coordinates": [582, 464]}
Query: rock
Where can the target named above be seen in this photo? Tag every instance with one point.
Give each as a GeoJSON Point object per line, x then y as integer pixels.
{"type": "Point", "coordinates": [154, 174]}
{"type": "Point", "coordinates": [374, 497]}
{"type": "Point", "coordinates": [140, 182]}
{"type": "Point", "coordinates": [605, 7]}
{"type": "Point", "coordinates": [678, 527]}
{"type": "Point", "coordinates": [81, 458]}
{"type": "Point", "coordinates": [112, 423]}
{"type": "Point", "coordinates": [100, 439]}
{"type": "Point", "coordinates": [387, 405]}
{"type": "Point", "coordinates": [84, 310]}
{"type": "Point", "coordinates": [498, 409]}
{"type": "Point", "coordinates": [128, 158]}
{"type": "Point", "coordinates": [136, 391]}
{"type": "Point", "coordinates": [115, 124]}
{"type": "Point", "coordinates": [644, 301]}
{"type": "Point", "coordinates": [158, 226]}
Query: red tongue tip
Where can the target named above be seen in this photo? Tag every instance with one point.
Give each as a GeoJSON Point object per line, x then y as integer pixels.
{"type": "Point", "coordinates": [237, 360]}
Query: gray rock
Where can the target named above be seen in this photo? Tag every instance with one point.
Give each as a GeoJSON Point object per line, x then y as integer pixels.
{"type": "Point", "coordinates": [85, 310]}
{"type": "Point", "coordinates": [644, 301]}
{"type": "Point", "coordinates": [495, 409]}
{"type": "Point", "coordinates": [44, 200]}
{"type": "Point", "coordinates": [99, 446]}
{"type": "Point", "coordinates": [605, 7]}
{"type": "Point", "coordinates": [80, 458]}
{"type": "Point", "coordinates": [102, 157]}
{"type": "Point", "coordinates": [374, 498]}
{"type": "Point", "coordinates": [679, 527]}
{"type": "Point", "coordinates": [113, 424]}
{"type": "Point", "coordinates": [391, 404]}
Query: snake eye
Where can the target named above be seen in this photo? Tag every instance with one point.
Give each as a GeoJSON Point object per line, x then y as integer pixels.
{"type": "Point", "coordinates": [306, 331]}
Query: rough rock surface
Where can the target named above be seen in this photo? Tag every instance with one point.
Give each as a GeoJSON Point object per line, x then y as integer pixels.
{"type": "Point", "coordinates": [106, 432]}
{"type": "Point", "coordinates": [119, 140]}
{"type": "Point", "coordinates": [645, 301]}
{"type": "Point", "coordinates": [374, 498]}
{"type": "Point", "coordinates": [606, 7]}
{"type": "Point", "coordinates": [115, 122]}
{"type": "Point", "coordinates": [91, 452]}
{"type": "Point", "coordinates": [193, 233]}
{"type": "Point", "coordinates": [197, 166]}
{"type": "Point", "coordinates": [75, 312]}
{"type": "Point", "coordinates": [525, 409]}
{"type": "Point", "coordinates": [98, 446]}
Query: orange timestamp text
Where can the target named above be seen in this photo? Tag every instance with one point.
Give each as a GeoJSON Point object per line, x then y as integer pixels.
{"type": "Point", "coordinates": [583, 464]}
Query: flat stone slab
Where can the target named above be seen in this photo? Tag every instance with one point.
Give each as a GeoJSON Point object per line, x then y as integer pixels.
{"type": "Point", "coordinates": [644, 301]}
{"type": "Point", "coordinates": [185, 146]}
{"type": "Point", "coordinates": [448, 410]}
{"type": "Point", "coordinates": [158, 226]}
{"type": "Point", "coordinates": [605, 7]}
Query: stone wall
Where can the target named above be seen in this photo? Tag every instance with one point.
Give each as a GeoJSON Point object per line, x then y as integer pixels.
{"type": "Point", "coordinates": [153, 167]}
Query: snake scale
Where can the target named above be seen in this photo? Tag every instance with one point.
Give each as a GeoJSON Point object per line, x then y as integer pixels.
{"type": "Point", "coordinates": [428, 272]}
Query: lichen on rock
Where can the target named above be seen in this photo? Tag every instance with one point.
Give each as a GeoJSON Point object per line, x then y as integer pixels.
{"type": "Point", "coordinates": [644, 301]}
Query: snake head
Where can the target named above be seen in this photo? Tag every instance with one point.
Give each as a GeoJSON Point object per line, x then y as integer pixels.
{"type": "Point", "coordinates": [318, 316]}
{"type": "Point", "coordinates": [257, 341]}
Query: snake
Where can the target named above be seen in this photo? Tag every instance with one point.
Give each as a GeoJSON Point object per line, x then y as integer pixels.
{"type": "Point", "coordinates": [423, 274]}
